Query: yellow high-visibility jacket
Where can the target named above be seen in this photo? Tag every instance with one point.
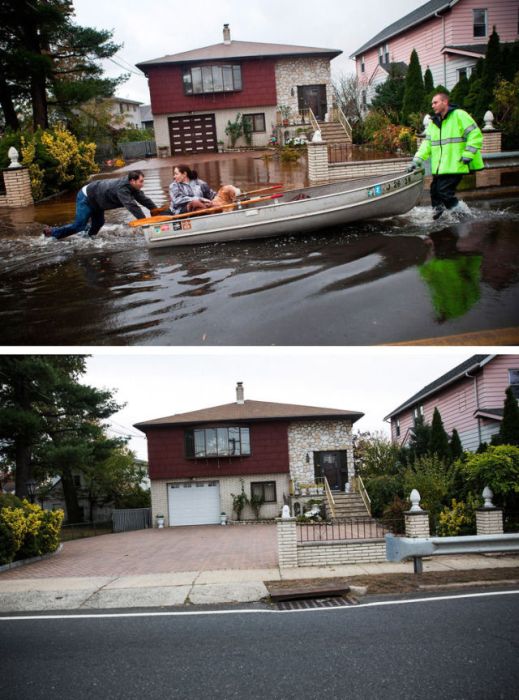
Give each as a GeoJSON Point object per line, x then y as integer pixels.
{"type": "Point", "coordinates": [453, 144]}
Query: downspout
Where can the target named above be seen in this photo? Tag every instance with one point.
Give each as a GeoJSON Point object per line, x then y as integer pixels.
{"type": "Point", "coordinates": [476, 396]}
{"type": "Point", "coordinates": [443, 46]}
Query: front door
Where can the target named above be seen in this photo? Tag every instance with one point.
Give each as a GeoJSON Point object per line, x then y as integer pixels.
{"type": "Point", "coordinates": [313, 97]}
{"type": "Point", "coordinates": [334, 466]}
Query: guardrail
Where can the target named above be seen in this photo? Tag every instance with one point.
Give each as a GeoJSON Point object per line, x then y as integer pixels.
{"type": "Point", "coordinates": [503, 159]}
{"type": "Point", "coordinates": [400, 548]}
{"type": "Point", "coordinates": [329, 497]}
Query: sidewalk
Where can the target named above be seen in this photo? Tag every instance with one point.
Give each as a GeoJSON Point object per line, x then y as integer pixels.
{"type": "Point", "coordinates": [227, 586]}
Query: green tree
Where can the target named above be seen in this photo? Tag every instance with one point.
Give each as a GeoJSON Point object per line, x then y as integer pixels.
{"type": "Point", "coordinates": [485, 79]}
{"type": "Point", "coordinates": [509, 429]}
{"type": "Point", "coordinates": [428, 82]}
{"type": "Point", "coordinates": [506, 110]}
{"type": "Point", "coordinates": [455, 446]}
{"type": "Point", "coordinates": [460, 91]}
{"type": "Point", "coordinates": [420, 438]}
{"type": "Point", "coordinates": [438, 440]}
{"type": "Point", "coordinates": [46, 58]}
{"type": "Point", "coordinates": [389, 95]}
{"type": "Point", "coordinates": [414, 91]}
{"type": "Point", "coordinates": [433, 479]}
{"type": "Point", "coordinates": [497, 468]}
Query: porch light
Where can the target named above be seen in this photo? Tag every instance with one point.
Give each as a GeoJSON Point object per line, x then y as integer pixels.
{"type": "Point", "coordinates": [30, 485]}
{"type": "Point", "coordinates": [307, 457]}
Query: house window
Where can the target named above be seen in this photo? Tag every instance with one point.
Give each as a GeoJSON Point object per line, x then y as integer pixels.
{"type": "Point", "coordinates": [265, 490]}
{"type": "Point", "coordinates": [257, 122]}
{"type": "Point", "coordinates": [397, 427]}
{"type": "Point", "coordinates": [208, 79]}
{"type": "Point", "coordinates": [217, 442]}
{"type": "Point", "coordinates": [418, 412]}
{"type": "Point", "coordinates": [480, 22]}
{"type": "Point", "coordinates": [513, 378]}
{"type": "Point", "coordinates": [464, 72]}
{"type": "Point", "coordinates": [362, 64]}
{"type": "Point", "coordinates": [381, 54]}
{"type": "Point", "coordinates": [386, 53]}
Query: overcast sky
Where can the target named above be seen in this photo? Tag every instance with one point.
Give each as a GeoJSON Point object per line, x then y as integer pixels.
{"type": "Point", "coordinates": [369, 380]}
{"type": "Point", "coordinates": [153, 28]}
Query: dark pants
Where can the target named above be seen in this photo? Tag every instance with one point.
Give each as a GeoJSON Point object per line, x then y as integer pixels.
{"type": "Point", "coordinates": [443, 190]}
{"type": "Point", "coordinates": [84, 213]}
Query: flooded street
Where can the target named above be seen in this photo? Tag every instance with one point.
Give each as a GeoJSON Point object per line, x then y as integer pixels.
{"type": "Point", "coordinates": [394, 280]}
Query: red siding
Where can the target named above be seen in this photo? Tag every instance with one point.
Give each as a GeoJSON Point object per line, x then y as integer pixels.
{"type": "Point", "coordinates": [167, 90]}
{"type": "Point", "coordinates": [269, 447]}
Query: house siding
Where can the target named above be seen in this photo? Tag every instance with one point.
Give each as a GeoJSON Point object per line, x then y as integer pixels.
{"type": "Point", "coordinates": [455, 28]}
{"type": "Point", "coordinates": [307, 437]}
{"type": "Point", "coordinates": [458, 402]}
{"type": "Point", "coordinates": [168, 97]}
{"type": "Point", "coordinates": [228, 486]}
{"type": "Point", "coordinates": [269, 447]}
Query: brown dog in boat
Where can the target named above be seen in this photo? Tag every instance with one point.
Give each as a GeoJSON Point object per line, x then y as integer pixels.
{"type": "Point", "coordinates": [227, 194]}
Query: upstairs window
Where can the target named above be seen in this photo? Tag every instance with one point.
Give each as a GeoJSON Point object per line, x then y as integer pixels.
{"type": "Point", "coordinates": [199, 80]}
{"type": "Point", "coordinates": [217, 442]}
{"type": "Point", "coordinates": [386, 53]}
{"type": "Point", "coordinates": [480, 22]}
{"type": "Point", "coordinates": [397, 427]}
{"type": "Point", "coordinates": [381, 54]}
{"type": "Point", "coordinates": [418, 412]}
{"type": "Point", "coordinates": [362, 64]}
{"type": "Point", "coordinates": [513, 378]}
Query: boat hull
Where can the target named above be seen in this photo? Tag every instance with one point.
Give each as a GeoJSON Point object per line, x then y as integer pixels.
{"type": "Point", "coordinates": [300, 211]}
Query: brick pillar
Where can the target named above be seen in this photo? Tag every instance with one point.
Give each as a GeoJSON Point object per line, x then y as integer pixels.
{"type": "Point", "coordinates": [491, 142]}
{"type": "Point", "coordinates": [317, 155]}
{"type": "Point", "coordinates": [489, 521]}
{"type": "Point", "coordinates": [17, 187]}
{"type": "Point", "coordinates": [417, 524]}
{"type": "Point", "coordinates": [287, 542]}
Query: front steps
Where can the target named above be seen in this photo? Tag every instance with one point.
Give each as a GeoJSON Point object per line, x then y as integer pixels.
{"type": "Point", "coordinates": [334, 133]}
{"type": "Point", "coordinates": [347, 505]}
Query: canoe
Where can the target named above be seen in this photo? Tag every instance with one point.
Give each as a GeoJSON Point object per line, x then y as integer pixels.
{"type": "Point", "coordinates": [296, 211]}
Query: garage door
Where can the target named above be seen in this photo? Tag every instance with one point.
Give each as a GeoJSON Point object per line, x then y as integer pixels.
{"type": "Point", "coordinates": [194, 503]}
{"type": "Point", "coordinates": [192, 134]}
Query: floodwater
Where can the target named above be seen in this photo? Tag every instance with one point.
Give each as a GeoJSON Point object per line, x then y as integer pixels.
{"type": "Point", "coordinates": [393, 280]}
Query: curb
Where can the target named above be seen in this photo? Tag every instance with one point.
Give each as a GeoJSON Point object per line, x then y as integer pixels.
{"type": "Point", "coordinates": [31, 560]}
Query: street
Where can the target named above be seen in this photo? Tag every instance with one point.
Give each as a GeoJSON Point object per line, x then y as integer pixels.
{"type": "Point", "coordinates": [443, 646]}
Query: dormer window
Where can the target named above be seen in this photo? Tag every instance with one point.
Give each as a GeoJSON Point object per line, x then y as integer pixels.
{"type": "Point", "coordinates": [217, 442]}
{"type": "Point", "coordinates": [199, 80]}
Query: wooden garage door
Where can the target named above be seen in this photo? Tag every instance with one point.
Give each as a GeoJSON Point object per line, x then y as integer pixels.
{"type": "Point", "coordinates": [194, 503]}
{"type": "Point", "coordinates": [195, 133]}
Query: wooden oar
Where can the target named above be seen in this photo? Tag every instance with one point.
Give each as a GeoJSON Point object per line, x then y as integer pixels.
{"type": "Point", "coordinates": [243, 194]}
{"type": "Point", "coordinates": [190, 214]}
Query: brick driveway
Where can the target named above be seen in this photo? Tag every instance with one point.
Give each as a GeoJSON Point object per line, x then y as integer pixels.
{"type": "Point", "coordinates": [195, 548]}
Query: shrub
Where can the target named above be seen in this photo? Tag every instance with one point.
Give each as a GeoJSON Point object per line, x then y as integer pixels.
{"type": "Point", "coordinates": [394, 138]}
{"type": "Point", "coordinates": [28, 531]}
{"type": "Point", "coordinates": [457, 520]}
{"type": "Point", "coordinates": [382, 490]}
{"type": "Point", "coordinates": [239, 501]}
{"type": "Point", "coordinates": [289, 154]}
{"type": "Point", "coordinates": [7, 544]}
{"type": "Point", "coordinates": [375, 121]}
{"type": "Point", "coordinates": [393, 515]}
{"type": "Point", "coordinates": [9, 500]}
{"type": "Point", "coordinates": [56, 160]}
{"type": "Point", "coordinates": [14, 520]}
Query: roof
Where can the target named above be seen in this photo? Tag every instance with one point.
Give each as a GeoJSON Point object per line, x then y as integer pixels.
{"type": "Point", "coordinates": [473, 49]}
{"type": "Point", "coordinates": [415, 17]}
{"type": "Point", "coordinates": [115, 98]}
{"type": "Point", "coordinates": [474, 362]}
{"type": "Point", "coordinates": [494, 413]}
{"type": "Point", "coordinates": [249, 411]}
{"type": "Point", "coordinates": [238, 49]}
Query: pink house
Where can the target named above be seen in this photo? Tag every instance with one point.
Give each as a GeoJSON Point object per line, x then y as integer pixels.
{"type": "Point", "coordinates": [469, 398]}
{"type": "Point", "coordinates": [448, 35]}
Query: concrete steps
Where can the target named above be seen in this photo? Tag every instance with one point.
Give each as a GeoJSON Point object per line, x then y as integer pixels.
{"type": "Point", "coordinates": [334, 132]}
{"type": "Point", "coordinates": [348, 505]}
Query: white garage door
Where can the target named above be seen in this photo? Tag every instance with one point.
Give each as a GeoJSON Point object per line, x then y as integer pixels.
{"type": "Point", "coordinates": [194, 503]}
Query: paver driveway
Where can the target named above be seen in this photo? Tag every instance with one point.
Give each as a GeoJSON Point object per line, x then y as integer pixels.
{"type": "Point", "coordinates": [197, 548]}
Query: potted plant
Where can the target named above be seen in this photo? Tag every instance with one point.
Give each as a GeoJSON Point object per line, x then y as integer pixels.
{"type": "Point", "coordinates": [160, 520]}
{"type": "Point", "coordinates": [223, 518]}
{"type": "Point", "coordinates": [285, 113]}
{"type": "Point", "coordinates": [220, 146]}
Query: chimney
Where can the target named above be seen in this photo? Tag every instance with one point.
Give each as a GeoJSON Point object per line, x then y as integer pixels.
{"type": "Point", "coordinates": [226, 34]}
{"type": "Point", "coordinates": [239, 393]}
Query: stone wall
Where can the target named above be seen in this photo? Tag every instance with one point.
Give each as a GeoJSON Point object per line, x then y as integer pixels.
{"type": "Point", "coordinates": [17, 185]}
{"type": "Point", "coordinates": [309, 436]}
{"type": "Point", "coordinates": [321, 170]}
{"type": "Point", "coordinates": [292, 72]}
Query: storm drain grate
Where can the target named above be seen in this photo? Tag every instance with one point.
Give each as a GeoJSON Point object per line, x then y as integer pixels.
{"type": "Point", "coordinates": [309, 603]}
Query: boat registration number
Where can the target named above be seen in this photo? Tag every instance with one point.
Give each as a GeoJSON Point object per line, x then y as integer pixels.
{"type": "Point", "coordinates": [378, 190]}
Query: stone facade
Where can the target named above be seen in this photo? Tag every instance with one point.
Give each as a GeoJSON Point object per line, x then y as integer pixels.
{"type": "Point", "coordinates": [489, 521]}
{"type": "Point", "coordinates": [228, 486]}
{"type": "Point", "coordinates": [417, 524]}
{"type": "Point", "coordinates": [294, 72]}
{"type": "Point", "coordinates": [307, 437]}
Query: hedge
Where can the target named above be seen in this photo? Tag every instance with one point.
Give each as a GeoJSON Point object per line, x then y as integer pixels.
{"type": "Point", "coordinates": [28, 531]}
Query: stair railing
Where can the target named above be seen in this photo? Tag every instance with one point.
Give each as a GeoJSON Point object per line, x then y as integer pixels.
{"type": "Point", "coordinates": [358, 487]}
{"type": "Point", "coordinates": [313, 120]}
{"type": "Point", "coordinates": [344, 122]}
{"type": "Point", "coordinates": [329, 496]}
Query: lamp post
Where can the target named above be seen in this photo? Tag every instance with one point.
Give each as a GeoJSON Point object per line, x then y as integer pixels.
{"type": "Point", "coordinates": [30, 485]}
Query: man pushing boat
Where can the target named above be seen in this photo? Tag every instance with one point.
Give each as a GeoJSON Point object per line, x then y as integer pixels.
{"type": "Point", "coordinates": [101, 195]}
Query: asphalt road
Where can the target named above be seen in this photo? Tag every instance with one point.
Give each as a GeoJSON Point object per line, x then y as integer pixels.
{"type": "Point", "coordinates": [458, 647]}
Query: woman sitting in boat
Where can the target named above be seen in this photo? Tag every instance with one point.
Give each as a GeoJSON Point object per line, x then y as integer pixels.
{"type": "Point", "coordinates": [187, 192]}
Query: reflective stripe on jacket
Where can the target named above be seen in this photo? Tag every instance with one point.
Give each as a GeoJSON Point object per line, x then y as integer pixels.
{"type": "Point", "coordinates": [450, 140]}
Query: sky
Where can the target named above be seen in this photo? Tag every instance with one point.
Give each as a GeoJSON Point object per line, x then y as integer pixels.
{"type": "Point", "coordinates": [373, 381]}
{"type": "Point", "coordinates": [153, 28]}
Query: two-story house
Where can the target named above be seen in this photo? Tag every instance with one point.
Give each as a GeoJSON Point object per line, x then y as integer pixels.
{"type": "Point", "coordinates": [197, 460]}
{"type": "Point", "coordinates": [448, 35]}
{"type": "Point", "coordinates": [469, 398]}
{"type": "Point", "coordinates": [195, 93]}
